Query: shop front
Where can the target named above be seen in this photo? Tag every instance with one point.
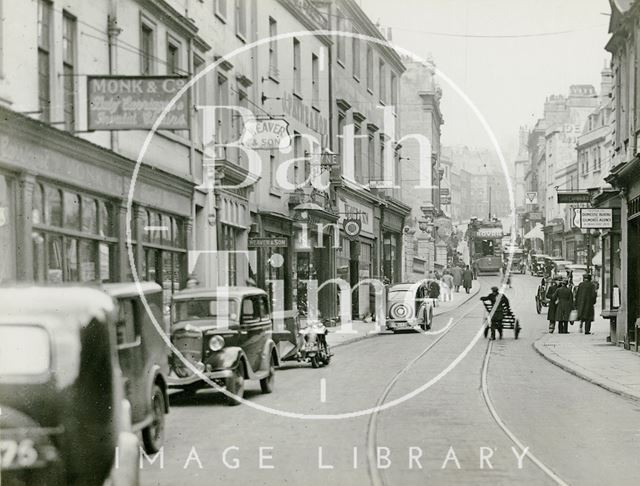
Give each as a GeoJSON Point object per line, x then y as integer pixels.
{"type": "Point", "coordinates": [621, 255]}
{"type": "Point", "coordinates": [63, 211]}
{"type": "Point", "coordinates": [393, 218]}
{"type": "Point", "coordinates": [357, 257]}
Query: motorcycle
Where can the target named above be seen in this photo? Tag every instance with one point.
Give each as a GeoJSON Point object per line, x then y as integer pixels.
{"type": "Point", "coordinates": [314, 347]}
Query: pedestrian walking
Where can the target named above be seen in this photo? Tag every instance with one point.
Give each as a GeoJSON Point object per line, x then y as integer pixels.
{"type": "Point", "coordinates": [586, 296]}
{"type": "Point", "coordinates": [499, 303]}
{"type": "Point", "coordinates": [434, 291]}
{"type": "Point", "coordinates": [563, 299]}
{"type": "Point", "coordinates": [446, 286]}
{"type": "Point", "coordinates": [467, 279]}
{"type": "Point", "coordinates": [475, 270]}
{"type": "Point", "coordinates": [456, 272]}
{"type": "Point", "coordinates": [551, 313]}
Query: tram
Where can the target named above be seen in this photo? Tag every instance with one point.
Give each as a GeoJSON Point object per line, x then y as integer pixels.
{"type": "Point", "coordinates": [484, 238]}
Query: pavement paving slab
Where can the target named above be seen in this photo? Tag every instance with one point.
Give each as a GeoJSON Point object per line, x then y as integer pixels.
{"type": "Point", "coordinates": [593, 359]}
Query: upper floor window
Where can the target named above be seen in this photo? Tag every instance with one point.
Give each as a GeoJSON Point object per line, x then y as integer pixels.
{"type": "Point", "coordinates": [241, 19]}
{"type": "Point", "coordinates": [68, 65]}
{"type": "Point", "coordinates": [220, 9]}
{"type": "Point", "coordinates": [315, 80]}
{"type": "Point", "coordinates": [382, 80]}
{"type": "Point", "coordinates": [44, 67]}
{"type": "Point", "coordinates": [370, 69]}
{"type": "Point", "coordinates": [173, 57]}
{"type": "Point", "coordinates": [273, 47]}
{"type": "Point", "coordinates": [297, 68]}
{"type": "Point", "coordinates": [147, 51]}
{"type": "Point", "coordinates": [394, 91]}
{"type": "Point", "coordinates": [355, 57]}
{"type": "Point", "coordinates": [341, 41]}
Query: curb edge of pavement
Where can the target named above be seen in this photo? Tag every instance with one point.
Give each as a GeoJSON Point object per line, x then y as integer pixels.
{"type": "Point", "coordinates": [472, 294]}
{"type": "Point", "coordinates": [572, 371]}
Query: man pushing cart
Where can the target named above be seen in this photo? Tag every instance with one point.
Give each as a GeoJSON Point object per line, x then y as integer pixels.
{"type": "Point", "coordinates": [500, 314]}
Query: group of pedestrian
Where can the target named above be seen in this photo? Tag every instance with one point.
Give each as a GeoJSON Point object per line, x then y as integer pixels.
{"type": "Point", "coordinates": [567, 306]}
{"type": "Point", "coordinates": [455, 277]}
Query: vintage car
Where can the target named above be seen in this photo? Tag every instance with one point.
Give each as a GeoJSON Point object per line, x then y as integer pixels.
{"type": "Point", "coordinates": [143, 356]}
{"type": "Point", "coordinates": [225, 336]}
{"type": "Point", "coordinates": [537, 266]}
{"type": "Point", "coordinates": [518, 259]}
{"type": "Point", "coordinates": [65, 419]}
{"type": "Point", "coordinates": [409, 306]}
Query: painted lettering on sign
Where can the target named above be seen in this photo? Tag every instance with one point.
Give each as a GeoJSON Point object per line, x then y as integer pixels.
{"type": "Point", "coordinates": [135, 103]}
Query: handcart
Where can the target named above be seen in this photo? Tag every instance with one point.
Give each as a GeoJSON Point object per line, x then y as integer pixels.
{"type": "Point", "coordinates": [509, 320]}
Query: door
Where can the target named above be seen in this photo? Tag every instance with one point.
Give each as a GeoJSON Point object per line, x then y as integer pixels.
{"type": "Point", "coordinates": [254, 323]}
{"type": "Point", "coordinates": [131, 358]}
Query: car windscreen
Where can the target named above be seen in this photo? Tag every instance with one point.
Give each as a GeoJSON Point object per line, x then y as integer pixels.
{"type": "Point", "coordinates": [24, 350]}
{"type": "Point", "coordinates": [209, 308]}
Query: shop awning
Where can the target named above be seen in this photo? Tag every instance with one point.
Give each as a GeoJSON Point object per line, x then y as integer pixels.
{"type": "Point", "coordinates": [535, 233]}
{"type": "Point", "coordinates": [596, 261]}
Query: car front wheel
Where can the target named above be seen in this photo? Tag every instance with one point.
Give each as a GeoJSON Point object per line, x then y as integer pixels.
{"type": "Point", "coordinates": [153, 435]}
{"type": "Point", "coordinates": [266, 384]}
{"type": "Point", "coordinates": [235, 385]}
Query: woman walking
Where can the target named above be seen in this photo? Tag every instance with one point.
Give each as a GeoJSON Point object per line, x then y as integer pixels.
{"type": "Point", "coordinates": [551, 314]}
{"type": "Point", "coordinates": [563, 298]}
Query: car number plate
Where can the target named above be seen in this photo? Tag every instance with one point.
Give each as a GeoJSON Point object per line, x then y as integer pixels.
{"type": "Point", "coordinates": [19, 454]}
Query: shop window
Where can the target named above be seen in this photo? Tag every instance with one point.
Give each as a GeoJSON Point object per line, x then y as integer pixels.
{"type": "Point", "coordinates": [39, 259]}
{"type": "Point", "coordinates": [37, 215]}
{"type": "Point", "coordinates": [87, 260]}
{"type": "Point", "coordinates": [106, 219]}
{"type": "Point", "coordinates": [150, 259]}
{"type": "Point", "coordinates": [54, 259]}
{"type": "Point", "coordinates": [106, 262]}
{"type": "Point", "coordinates": [89, 215]}
{"type": "Point", "coordinates": [71, 207]}
{"type": "Point", "coordinates": [53, 207]}
{"type": "Point", "coordinates": [71, 258]}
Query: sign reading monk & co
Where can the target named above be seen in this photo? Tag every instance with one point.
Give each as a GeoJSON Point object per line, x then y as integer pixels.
{"type": "Point", "coordinates": [135, 102]}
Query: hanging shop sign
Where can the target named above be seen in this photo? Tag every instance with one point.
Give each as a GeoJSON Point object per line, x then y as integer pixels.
{"type": "Point", "coordinates": [573, 197]}
{"type": "Point", "coordinates": [590, 218]}
{"type": "Point", "coordinates": [266, 134]}
{"type": "Point", "coordinates": [267, 242]}
{"type": "Point", "coordinates": [136, 102]}
{"type": "Point", "coordinates": [352, 227]}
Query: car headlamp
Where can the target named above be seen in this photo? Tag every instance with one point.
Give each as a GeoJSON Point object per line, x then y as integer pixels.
{"type": "Point", "coordinates": [216, 343]}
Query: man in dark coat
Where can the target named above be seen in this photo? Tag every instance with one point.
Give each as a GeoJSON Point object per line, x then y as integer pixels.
{"type": "Point", "coordinates": [551, 314]}
{"type": "Point", "coordinates": [467, 279]}
{"type": "Point", "coordinates": [457, 277]}
{"type": "Point", "coordinates": [564, 305]}
{"type": "Point", "coordinates": [499, 303]}
{"type": "Point", "coordinates": [586, 296]}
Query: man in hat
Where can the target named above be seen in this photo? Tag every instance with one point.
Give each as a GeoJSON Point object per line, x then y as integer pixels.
{"type": "Point", "coordinates": [586, 296]}
{"type": "Point", "coordinates": [499, 303]}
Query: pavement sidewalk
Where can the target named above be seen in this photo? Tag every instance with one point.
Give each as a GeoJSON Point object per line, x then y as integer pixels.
{"type": "Point", "coordinates": [365, 329]}
{"type": "Point", "coordinates": [593, 359]}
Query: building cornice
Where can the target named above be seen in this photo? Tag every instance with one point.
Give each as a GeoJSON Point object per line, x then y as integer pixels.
{"type": "Point", "coordinates": [309, 24]}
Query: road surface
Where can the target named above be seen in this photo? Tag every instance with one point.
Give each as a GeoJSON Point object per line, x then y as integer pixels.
{"type": "Point", "coordinates": [480, 409]}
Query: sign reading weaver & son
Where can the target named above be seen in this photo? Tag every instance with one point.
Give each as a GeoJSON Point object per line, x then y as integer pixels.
{"type": "Point", "coordinates": [135, 102]}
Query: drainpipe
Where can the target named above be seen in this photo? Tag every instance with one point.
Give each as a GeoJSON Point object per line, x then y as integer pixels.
{"type": "Point", "coordinates": [112, 32]}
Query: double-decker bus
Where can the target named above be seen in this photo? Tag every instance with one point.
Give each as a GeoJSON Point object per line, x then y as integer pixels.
{"type": "Point", "coordinates": [484, 238]}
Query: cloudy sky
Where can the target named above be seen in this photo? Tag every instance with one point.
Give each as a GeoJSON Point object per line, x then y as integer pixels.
{"type": "Point", "coordinates": [506, 55]}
